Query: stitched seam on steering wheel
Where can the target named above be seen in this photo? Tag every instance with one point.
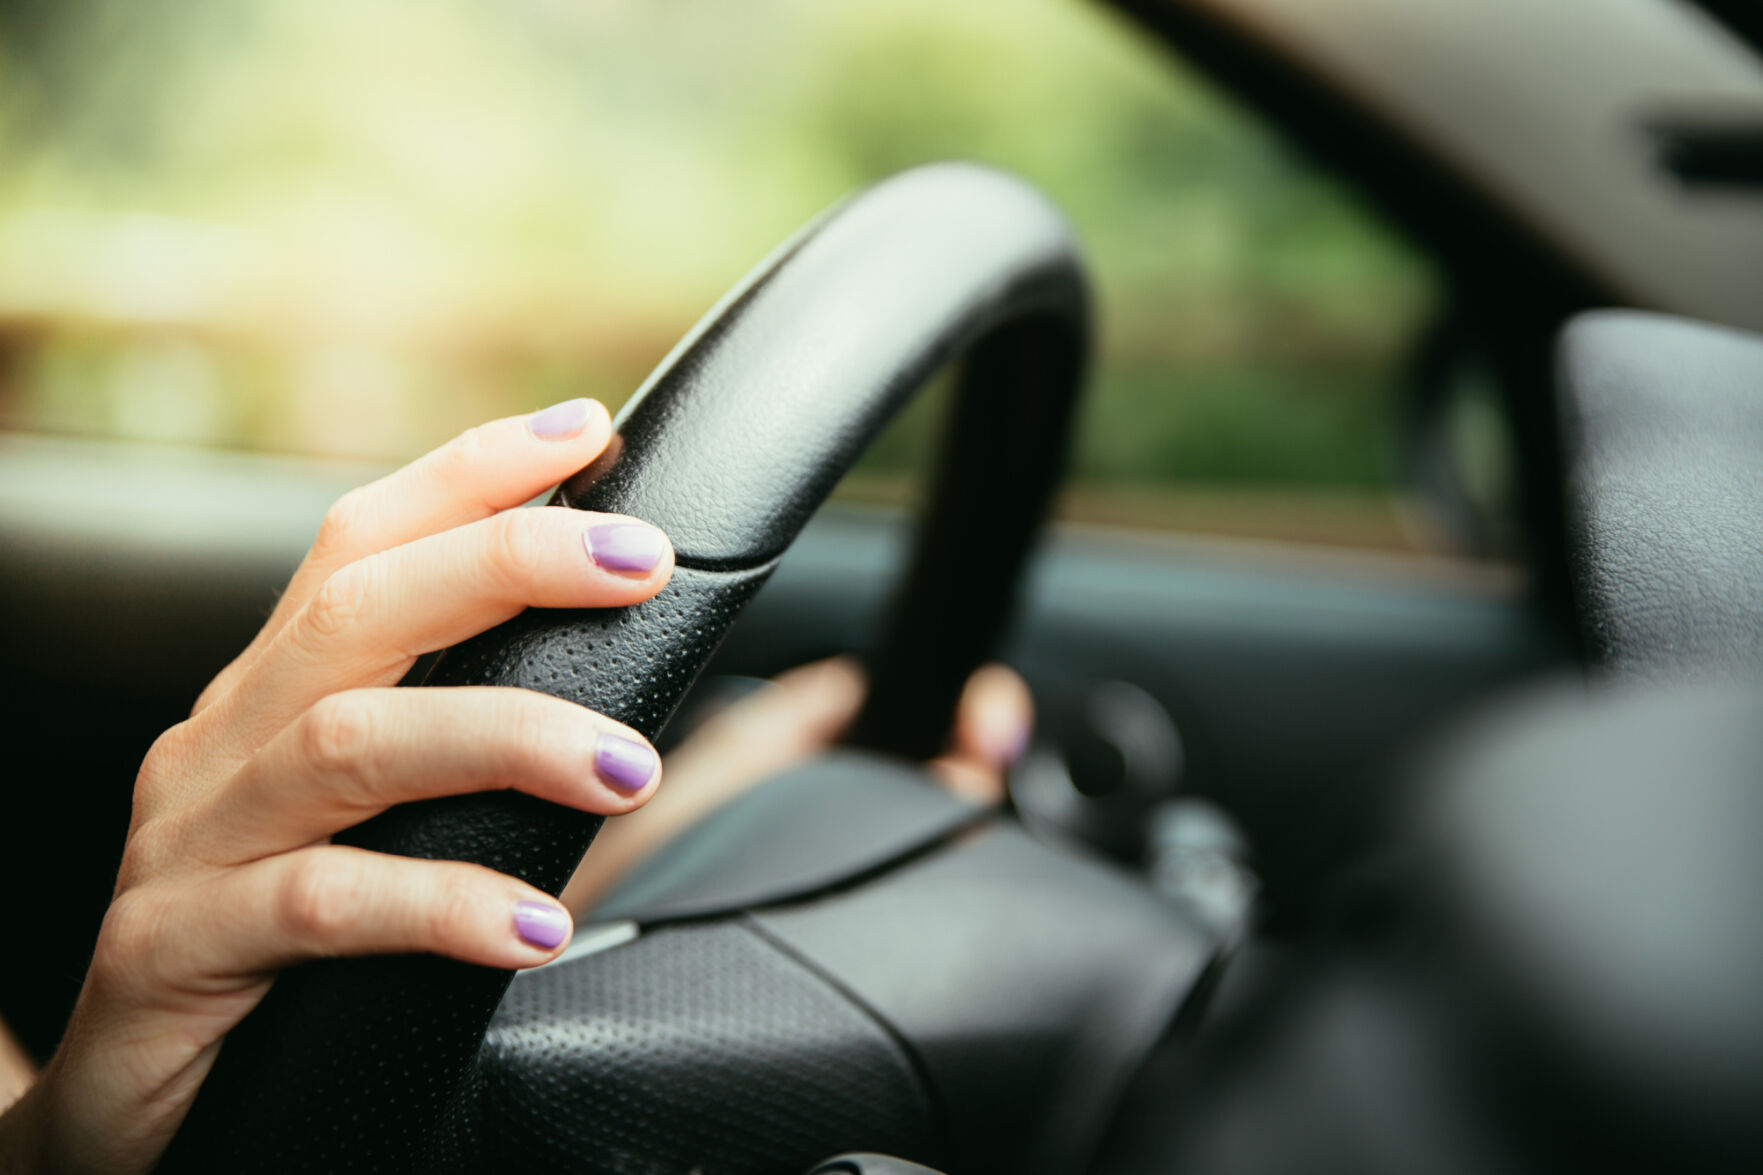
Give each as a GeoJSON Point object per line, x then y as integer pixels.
{"type": "Point", "coordinates": [824, 889]}
{"type": "Point", "coordinates": [932, 1096]}
{"type": "Point", "coordinates": [693, 563]}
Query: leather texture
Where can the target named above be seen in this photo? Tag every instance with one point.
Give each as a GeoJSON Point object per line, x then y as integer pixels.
{"type": "Point", "coordinates": [1027, 981]}
{"type": "Point", "coordinates": [377, 1064]}
{"type": "Point", "coordinates": [977, 1006]}
{"type": "Point", "coordinates": [694, 1047]}
{"type": "Point", "coordinates": [1662, 420]}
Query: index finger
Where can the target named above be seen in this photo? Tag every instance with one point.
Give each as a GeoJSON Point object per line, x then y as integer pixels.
{"type": "Point", "coordinates": [478, 473]}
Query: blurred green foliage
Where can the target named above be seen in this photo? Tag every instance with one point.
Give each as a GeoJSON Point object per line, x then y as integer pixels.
{"type": "Point", "coordinates": [355, 227]}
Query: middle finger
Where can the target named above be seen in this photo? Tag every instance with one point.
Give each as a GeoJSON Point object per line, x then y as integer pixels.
{"type": "Point", "coordinates": [371, 620]}
{"type": "Point", "coordinates": [358, 753]}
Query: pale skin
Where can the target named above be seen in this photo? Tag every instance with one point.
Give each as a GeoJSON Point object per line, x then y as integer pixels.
{"type": "Point", "coordinates": [228, 874]}
{"type": "Point", "coordinates": [800, 714]}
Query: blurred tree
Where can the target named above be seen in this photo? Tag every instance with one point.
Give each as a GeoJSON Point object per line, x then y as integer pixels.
{"type": "Point", "coordinates": [220, 219]}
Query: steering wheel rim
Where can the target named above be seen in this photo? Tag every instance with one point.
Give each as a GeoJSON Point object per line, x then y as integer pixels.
{"type": "Point", "coordinates": [371, 1063]}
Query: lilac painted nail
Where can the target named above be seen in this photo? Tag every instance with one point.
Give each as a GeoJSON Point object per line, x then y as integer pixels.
{"type": "Point", "coordinates": [624, 763]}
{"type": "Point", "coordinates": [1012, 743]}
{"type": "Point", "coordinates": [561, 421]}
{"type": "Point", "coordinates": [541, 924]}
{"type": "Point", "coordinates": [625, 546]}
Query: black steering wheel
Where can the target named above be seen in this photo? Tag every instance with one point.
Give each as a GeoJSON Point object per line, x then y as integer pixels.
{"type": "Point", "coordinates": [382, 1063]}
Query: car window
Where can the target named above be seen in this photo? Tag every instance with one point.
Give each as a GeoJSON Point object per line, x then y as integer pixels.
{"type": "Point", "coordinates": [351, 230]}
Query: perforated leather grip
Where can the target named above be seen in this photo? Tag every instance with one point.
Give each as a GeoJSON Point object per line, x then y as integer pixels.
{"type": "Point", "coordinates": [729, 447]}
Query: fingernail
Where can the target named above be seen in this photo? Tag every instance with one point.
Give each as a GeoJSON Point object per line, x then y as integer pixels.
{"type": "Point", "coordinates": [561, 421]}
{"type": "Point", "coordinates": [541, 924]}
{"type": "Point", "coordinates": [625, 546]}
{"type": "Point", "coordinates": [1009, 743]}
{"type": "Point", "coordinates": [624, 763]}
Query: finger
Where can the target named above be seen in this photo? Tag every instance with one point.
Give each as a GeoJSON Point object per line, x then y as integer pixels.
{"type": "Point", "coordinates": [479, 473]}
{"type": "Point", "coordinates": [17, 1070]}
{"type": "Point", "coordinates": [371, 620]}
{"type": "Point", "coordinates": [786, 723]}
{"type": "Point", "coordinates": [790, 720]}
{"type": "Point", "coordinates": [359, 752]}
{"type": "Point", "coordinates": [992, 724]}
{"type": "Point", "coordinates": [197, 939]}
{"type": "Point", "coordinates": [802, 711]}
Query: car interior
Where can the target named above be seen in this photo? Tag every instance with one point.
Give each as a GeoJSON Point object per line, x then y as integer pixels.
{"type": "Point", "coordinates": [1322, 858]}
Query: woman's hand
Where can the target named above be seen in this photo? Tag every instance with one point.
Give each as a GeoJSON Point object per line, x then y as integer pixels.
{"type": "Point", "coordinates": [787, 722]}
{"type": "Point", "coordinates": [228, 875]}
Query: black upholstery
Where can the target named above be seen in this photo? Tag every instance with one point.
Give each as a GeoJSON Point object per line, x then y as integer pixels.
{"type": "Point", "coordinates": [979, 1006]}
{"type": "Point", "coordinates": [1599, 857]}
{"type": "Point", "coordinates": [379, 1064]}
{"type": "Point", "coordinates": [693, 1047]}
{"type": "Point", "coordinates": [1663, 428]}
{"type": "Point", "coordinates": [1031, 982]}
{"type": "Point", "coordinates": [1556, 964]}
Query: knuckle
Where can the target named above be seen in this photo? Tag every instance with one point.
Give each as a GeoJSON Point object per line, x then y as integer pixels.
{"type": "Point", "coordinates": [518, 547]}
{"type": "Point", "coordinates": [127, 938]}
{"type": "Point", "coordinates": [167, 751]}
{"type": "Point", "coordinates": [161, 763]}
{"type": "Point", "coordinates": [526, 730]}
{"type": "Point", "coordinates": [342, 522]}
{"type": "Point", "coordinates": [147, 852]}
{"type": "Point", "coordinates": [341, 601]}
{"type": "Point", "coordinates": [467, 452]}
{"type": "Point", "coordinates": [538, 744]}
{"type": "Point", "coordinates": [316, 900]}
{"type": "Point", "coordinates": [451, 908]}
{"type": "Point", "coordinates": [337, 735]}
{"type": "Point", "coordinates": [177, 759]}
{"type": "Point", "coordinates": [212, 690]}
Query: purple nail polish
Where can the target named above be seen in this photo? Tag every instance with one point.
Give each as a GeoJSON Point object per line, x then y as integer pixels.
{"type": "Point", "coordinates": [541, 924]}
{"type": "Point", "coordinates": [560, 421]}
{"type": "Point", "coordinates": [624, 763]}
{"type": "Point", "coordinates": [625, 546]}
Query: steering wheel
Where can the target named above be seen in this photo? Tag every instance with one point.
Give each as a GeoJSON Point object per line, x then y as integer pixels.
{"type": "Point", "coordinates": [406, 1063]}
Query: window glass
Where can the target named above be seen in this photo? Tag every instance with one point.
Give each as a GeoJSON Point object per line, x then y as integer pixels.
{"type": "Point", "coordinates": [349, 229]}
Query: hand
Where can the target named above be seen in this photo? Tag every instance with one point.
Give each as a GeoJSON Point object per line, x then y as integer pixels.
{"type": "Point", "coordinates": [228, 875]}
{"type": "Point", "coordinates": [788, 722]}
